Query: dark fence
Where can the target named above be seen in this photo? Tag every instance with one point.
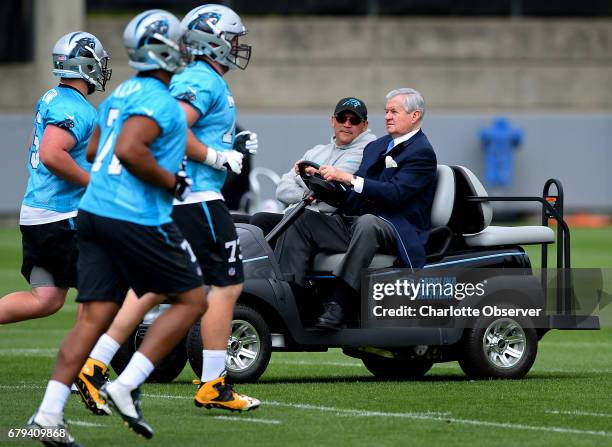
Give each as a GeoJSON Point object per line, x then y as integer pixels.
{"type": "Point", "coordinates": [542, 8]}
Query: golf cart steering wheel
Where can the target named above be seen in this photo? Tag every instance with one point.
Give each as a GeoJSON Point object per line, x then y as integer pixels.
{"type": "Point", "coordinates": [302, 165]}
{"type": "Point", "coordinates": [332, 192]}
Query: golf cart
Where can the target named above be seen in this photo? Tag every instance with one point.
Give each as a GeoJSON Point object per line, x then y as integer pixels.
{"type": "Point", "coordinates": [270, 317]}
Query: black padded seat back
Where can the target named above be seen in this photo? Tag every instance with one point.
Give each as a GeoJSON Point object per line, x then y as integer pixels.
{"type": "Point", "coordinates": [469, 217]}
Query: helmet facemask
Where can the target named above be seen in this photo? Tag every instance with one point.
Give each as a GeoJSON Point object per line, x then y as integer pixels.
{"type": "Point", "coordinates": [169, 55]}
{"type": "Point", "coordinates": [240, 54]}
{"type": "Point", "coordinates": [98, 72]}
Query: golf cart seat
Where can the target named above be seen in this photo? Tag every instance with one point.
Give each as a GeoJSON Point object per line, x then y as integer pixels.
{"type": "Point", "coordinates": [441, 212]}
{"type": "Point", "coordinates": [525, 235]}
{"type": "Point", "coordinates": [452, 214]}
{"type": "Point", "coordinates": [472, 219]}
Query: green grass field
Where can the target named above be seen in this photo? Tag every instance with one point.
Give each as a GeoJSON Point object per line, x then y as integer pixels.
{"type": "Point", "coordinates": [329, 399]}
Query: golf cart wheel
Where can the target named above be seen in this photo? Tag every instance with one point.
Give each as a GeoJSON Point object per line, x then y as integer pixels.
{"type": "Point", "coordinates": [499, 347]}
{"type": "Point", "coordinates": [397, 368]}
{"type": "Point", "coordinates": [167, 369]}
{"type": "Point", "coordinates": [248, 349]}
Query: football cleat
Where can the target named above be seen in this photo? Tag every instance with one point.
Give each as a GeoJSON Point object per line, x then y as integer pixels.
{"type": "Point", "coordinates": [51, 430]}
{"type": "Point", "coordinates": [219, 394]}
{"type": "Point", "coordinates": [92, 376]}
{"type": "Point", "coordinates": [127, 404]}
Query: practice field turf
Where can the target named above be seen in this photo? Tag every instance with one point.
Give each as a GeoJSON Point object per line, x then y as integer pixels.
{"type": "Point", "coordinates": [315, 399]}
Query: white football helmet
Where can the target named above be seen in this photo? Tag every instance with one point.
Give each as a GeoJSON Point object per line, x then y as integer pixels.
{"type": "Point", "coordinates": [81, 55]}
{"type": "Point", "coordinates": [154, 40]}
{"type": "Point", "coordinates": [213, 31]}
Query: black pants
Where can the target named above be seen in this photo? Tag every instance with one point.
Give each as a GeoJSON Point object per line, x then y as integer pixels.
{"type": "Point", "coordinates": [360, 237]}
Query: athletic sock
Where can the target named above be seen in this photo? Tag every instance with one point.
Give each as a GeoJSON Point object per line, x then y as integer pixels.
{"type": "Point", "coordinates": [136, 372]}
{"type": "Point", "coordinates": [105, 349]}
{"type": "Point", "coordinates": [55, 398]}
{"type": "Point", "coordinates": [213, 364]}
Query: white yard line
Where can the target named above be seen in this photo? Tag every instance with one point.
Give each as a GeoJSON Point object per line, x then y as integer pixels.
{"type": "Point", "coordinates": [31, 330]}
{"type": "Point", "coordinates": [22, 387]}
{"type": "Point", "coordinates": [232, 418]}
{"type": "Point", "coordinates": [580, 413]}
{"type": "Point", "coordinates": [424, 416]}
{"type": "Point", "coordinates": [52, 353]}
{"type": "Point", "coordinates": [27, 352]}
{"type": "Point", "coordinates": [85, 424]}
{"type": "Point", "coordinates": [246, 419]}
{"type": "Point", "coordinates": [418, 416]}
{"type": "Point", "coordinates": [166, 396]}
{"type": "Point", "coordinates": [428, 416]}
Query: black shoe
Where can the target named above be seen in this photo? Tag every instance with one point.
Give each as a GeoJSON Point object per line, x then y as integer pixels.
{"type": "Point", "coordinates": [127, 404]}
{"type": "Point", "coordinates": [51, 430]}
{"type": "Point", "coordinates": [333, 317]}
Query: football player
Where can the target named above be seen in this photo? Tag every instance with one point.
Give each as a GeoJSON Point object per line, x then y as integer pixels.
{"type": "Point", "coordinates": [213, 33]}
{"type": "Point", "coordinates": [58, 174]}
{"type": "Point", "coordinates": [126, 236]}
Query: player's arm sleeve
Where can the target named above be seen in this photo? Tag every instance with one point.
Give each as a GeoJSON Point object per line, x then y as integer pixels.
{"type": "Point", "coordinates": [199, 96]}
{"type": "Point", "coordinates": [160, 110]}
{"type": "Point", "coordinates": [70, 121]}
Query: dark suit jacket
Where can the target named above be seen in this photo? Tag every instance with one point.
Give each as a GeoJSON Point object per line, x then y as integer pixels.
{"type": "Point", "coordinates": [401, 195]}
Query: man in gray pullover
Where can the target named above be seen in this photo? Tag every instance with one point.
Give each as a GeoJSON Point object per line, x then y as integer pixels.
{"type": "Point", "coordinates": [344, 151]}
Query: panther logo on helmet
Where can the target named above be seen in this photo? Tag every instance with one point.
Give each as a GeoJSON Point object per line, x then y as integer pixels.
{"type": "Point", "coordinates": [203, 22]}
{"type": "Point", "coordinates": [83, 47]}
{"type": "Point", "coordinates": [160, 27]}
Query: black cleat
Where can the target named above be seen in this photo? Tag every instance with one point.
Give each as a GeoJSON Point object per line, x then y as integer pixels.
{"type": "Point", "coordinates": [127, 404]}
{"type": "Point", "coordinates": [51, 430]}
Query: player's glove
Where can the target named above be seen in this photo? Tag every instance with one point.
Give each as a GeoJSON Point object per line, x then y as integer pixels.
{"type": "Point", "coordinates": [246, 142]}
{"type": "Point", "coordinates": [218, 160]}
{"type": "Point", "coordinates": [182, 185]}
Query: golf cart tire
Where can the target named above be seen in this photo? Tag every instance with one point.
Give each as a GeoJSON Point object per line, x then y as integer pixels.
{"type": "Point", "coordinates": [397, 368]}
{"type": "Point", "coordinates": [499, 347]}
{"type": "Point", "coordinates": [247, 325]}
{"type": "Point", "coordinates": [168, 368]}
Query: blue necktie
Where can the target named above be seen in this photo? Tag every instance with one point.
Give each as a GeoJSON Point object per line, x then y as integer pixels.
{"type": "Point", "coordinates": [389, 146]}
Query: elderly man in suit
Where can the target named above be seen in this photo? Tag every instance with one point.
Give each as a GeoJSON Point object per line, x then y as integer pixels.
{"type": "Point", "coordinates": [387, 210]}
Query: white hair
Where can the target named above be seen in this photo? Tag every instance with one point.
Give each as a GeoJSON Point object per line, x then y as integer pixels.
{"type": "Point", "coordinates": [413, 100]}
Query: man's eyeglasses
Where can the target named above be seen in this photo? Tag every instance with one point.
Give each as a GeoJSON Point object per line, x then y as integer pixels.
{"type": "Point", "coordinates": [353, 119]}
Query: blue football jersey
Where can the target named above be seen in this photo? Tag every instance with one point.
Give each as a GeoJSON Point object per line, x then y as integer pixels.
{"type": "Point", "coordinates": [67, 108]}
{"type": "Point", "coordinates": [113, 191]}
{"type": "Point", "coordinates": [206, 90]}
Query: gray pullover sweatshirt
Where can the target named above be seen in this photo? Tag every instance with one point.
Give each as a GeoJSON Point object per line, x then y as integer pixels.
{"type": "Point", "coordinates": [291, 188]}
